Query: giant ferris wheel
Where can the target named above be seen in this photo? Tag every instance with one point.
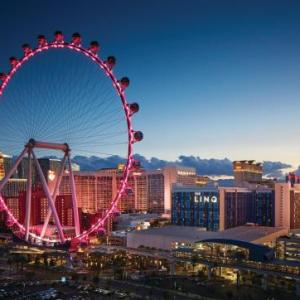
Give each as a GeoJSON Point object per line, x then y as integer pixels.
{"type": "Point", "coordinates": [63, 100]}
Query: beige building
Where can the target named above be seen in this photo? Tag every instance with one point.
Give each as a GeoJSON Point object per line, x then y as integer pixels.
{"type": "Point", "coordinates": [5, 164]}
{"type": "Point", "coordinates": [176, 175]}
{"type": "Point", "coordinates": [95, 190]}
{"type": "Point", "coordinates": [247, 171]}
{"type": "Point", "coordinates": [287, 205]}
{"type": "Point", "coordinates": [14, 187]}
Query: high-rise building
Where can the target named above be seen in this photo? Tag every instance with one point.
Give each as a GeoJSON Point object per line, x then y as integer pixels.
{"type": "Point", "coordinates": [292, 178]}
{"type": "Point", "coordinates": [49, 166]}
{"type": "Point", "coordinates": [194, 206]}
{"type": "Point", "coordinates": [10, 194]}
{"type": "Point", "coordinates": [247, 171]}
{"type": "Point", "coordinates": [222, 208]}
{"type": "Point", "coordinates": [17, 207]}
{"type": "Point", "coordinates": [14, 187]}
{"type": "Point", "coordinates": [64, 208]}
{"type": "Point", "coordinates": [176, 175]}
{"type": "Point", "coordinates": [96, 190]}
{"type": "Point", "coordinates": [22, 170]}
{"type": "Point", "coordinates": [202, 180]}
{"type": "Point", "coordinates": [146, 190]}
{"type": "Point", "coordinates": [156, 191]}
{"type": "Point", "coordinates": [287, 205]}
{"type": "Point", "coordinates": [140, 191]}
{"type": "Point", "coordinates": [5, 164]}
{"type": "Point", "coordinates": [239, 206]}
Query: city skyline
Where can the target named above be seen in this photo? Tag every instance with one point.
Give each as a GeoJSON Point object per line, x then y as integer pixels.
{"type": "Point", "coordinates": [148, 149]}
{"type": "Point", "coordinates": [205, 63]}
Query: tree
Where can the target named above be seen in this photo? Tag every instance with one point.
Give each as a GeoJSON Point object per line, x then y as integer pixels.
{"type": "Point", "coordinates": [194, 260]}
{"type": "Point", "coordinates": [22, 259]}
{"type": "Point", "coordinates": [119, 266]}
{"type": "Point", "coordinates": [45, 258]}
{"type": "Point", "coordinates": [95, 279]}
{"type": "Point", "coordinates": [36, 261]}
{"type": "Point", "coordinates": [10, 263]}
{"type": "Point", "coordinates": [74, 276]}
{"type": "Point", "coordinates": [52, 262]}
{"type": "Point", "coordinates": [30, 275]}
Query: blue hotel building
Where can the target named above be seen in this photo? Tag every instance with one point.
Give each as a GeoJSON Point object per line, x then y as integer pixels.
{"type": "Point", "coordinates": [192, 206]}
{"type": "Point", "coordinates": [222, 208]}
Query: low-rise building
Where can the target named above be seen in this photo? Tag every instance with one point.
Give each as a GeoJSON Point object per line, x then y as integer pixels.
{"type": "Point", "coordinates": [170, 237]}
{"type": "Point", "coordinates": [288, 247]}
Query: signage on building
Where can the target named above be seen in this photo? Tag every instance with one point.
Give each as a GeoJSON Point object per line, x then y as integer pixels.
{"type": "Point", "coordinates": [199, 197]}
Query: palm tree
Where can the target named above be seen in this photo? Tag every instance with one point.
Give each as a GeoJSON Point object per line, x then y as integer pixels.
{"type": "Point", "coordinates": [97, 258]}
{"type": "Point", "coordinates": [45, 258]}
{"type": "Point", "coordinates": [10, 263]}
{"type": "Point", "coordinates": [22, 259]}
{"type": "Point", "coordinates": [194, 260]}
{"type": "Point", "coordinates": [119, 265]}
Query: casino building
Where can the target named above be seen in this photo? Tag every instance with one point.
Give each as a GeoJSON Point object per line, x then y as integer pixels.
{"type": "Point", "coordinates": [222, 208]}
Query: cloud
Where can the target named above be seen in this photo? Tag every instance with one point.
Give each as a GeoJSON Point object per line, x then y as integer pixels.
{"type": "Point", "coordinates": [276, 169]}
{"type": "Point", "coordinates": [211, 167]}
{"type": "Point", "coordinates": [270, 166]}
{"type": "Point", "coordinates": [94, 163]}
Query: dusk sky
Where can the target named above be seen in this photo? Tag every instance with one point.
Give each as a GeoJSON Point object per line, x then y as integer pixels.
{"type": "Point", "coordinates": [214, 79]}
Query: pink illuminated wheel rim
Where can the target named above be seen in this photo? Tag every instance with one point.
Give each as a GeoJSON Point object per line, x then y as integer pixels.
{"type": "Point", "coordinates": [128, 109]}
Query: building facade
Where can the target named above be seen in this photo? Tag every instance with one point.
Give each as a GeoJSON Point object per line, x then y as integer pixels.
{"type": "Point", "coordinates": [242, 205]}
{"type": "Point", "coordinates": [222, 208]}
{"type": "Point", "coordinates": [292, 178]}
{"type": "Point", "coordinates": [195, 207]}
{"type": "Point", "coordinates": [247, 171]}
{"type": "Point", "coordinates": [96, 190]}
{"type": "Point", "coordinates": [287, 205]}
{"type": "Point", "coordinates": [156, 191]}
{"type": "Point", "coordinates": [5, 164]}
{"type": "Point", "coordinates": [176, 175]}
{"type": "Point", "coordinates": [288, 247]}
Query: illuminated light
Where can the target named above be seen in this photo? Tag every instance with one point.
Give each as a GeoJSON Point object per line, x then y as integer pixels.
{"type": "Point", "coordinates": [43, 46]}
{"type": "Point", "coordinates": [51, 175]}
{"type": "Point", "coordinates": [136, 173]}
{"type": "Point", "coordinates": [121, 167]}
{"type": "Point", "coordinates": [199, 198]}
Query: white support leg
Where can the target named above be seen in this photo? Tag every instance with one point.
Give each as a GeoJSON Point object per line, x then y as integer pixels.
{"type": "Point", "coordinates": [55, 193]}
{"type": "Point", "coordinates": [28, 196]}
{"type": "Point", "coordinates": [49, 197]}
{"type": "Point", "coordinates": [74, 197]}
{"type": "Point", "coordinates": [13, 169]}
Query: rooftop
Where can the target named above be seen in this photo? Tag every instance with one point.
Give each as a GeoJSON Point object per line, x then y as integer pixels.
{"type": "Point", "coordinates": [241, 233]}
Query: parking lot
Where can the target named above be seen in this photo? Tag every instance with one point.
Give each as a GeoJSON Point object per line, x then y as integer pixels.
{"type": "Point", "coordinates": [57, 290]}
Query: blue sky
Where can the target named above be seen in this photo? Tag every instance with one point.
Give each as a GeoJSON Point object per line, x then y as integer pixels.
{"type": "Point", "coordinates": [214, 79]}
